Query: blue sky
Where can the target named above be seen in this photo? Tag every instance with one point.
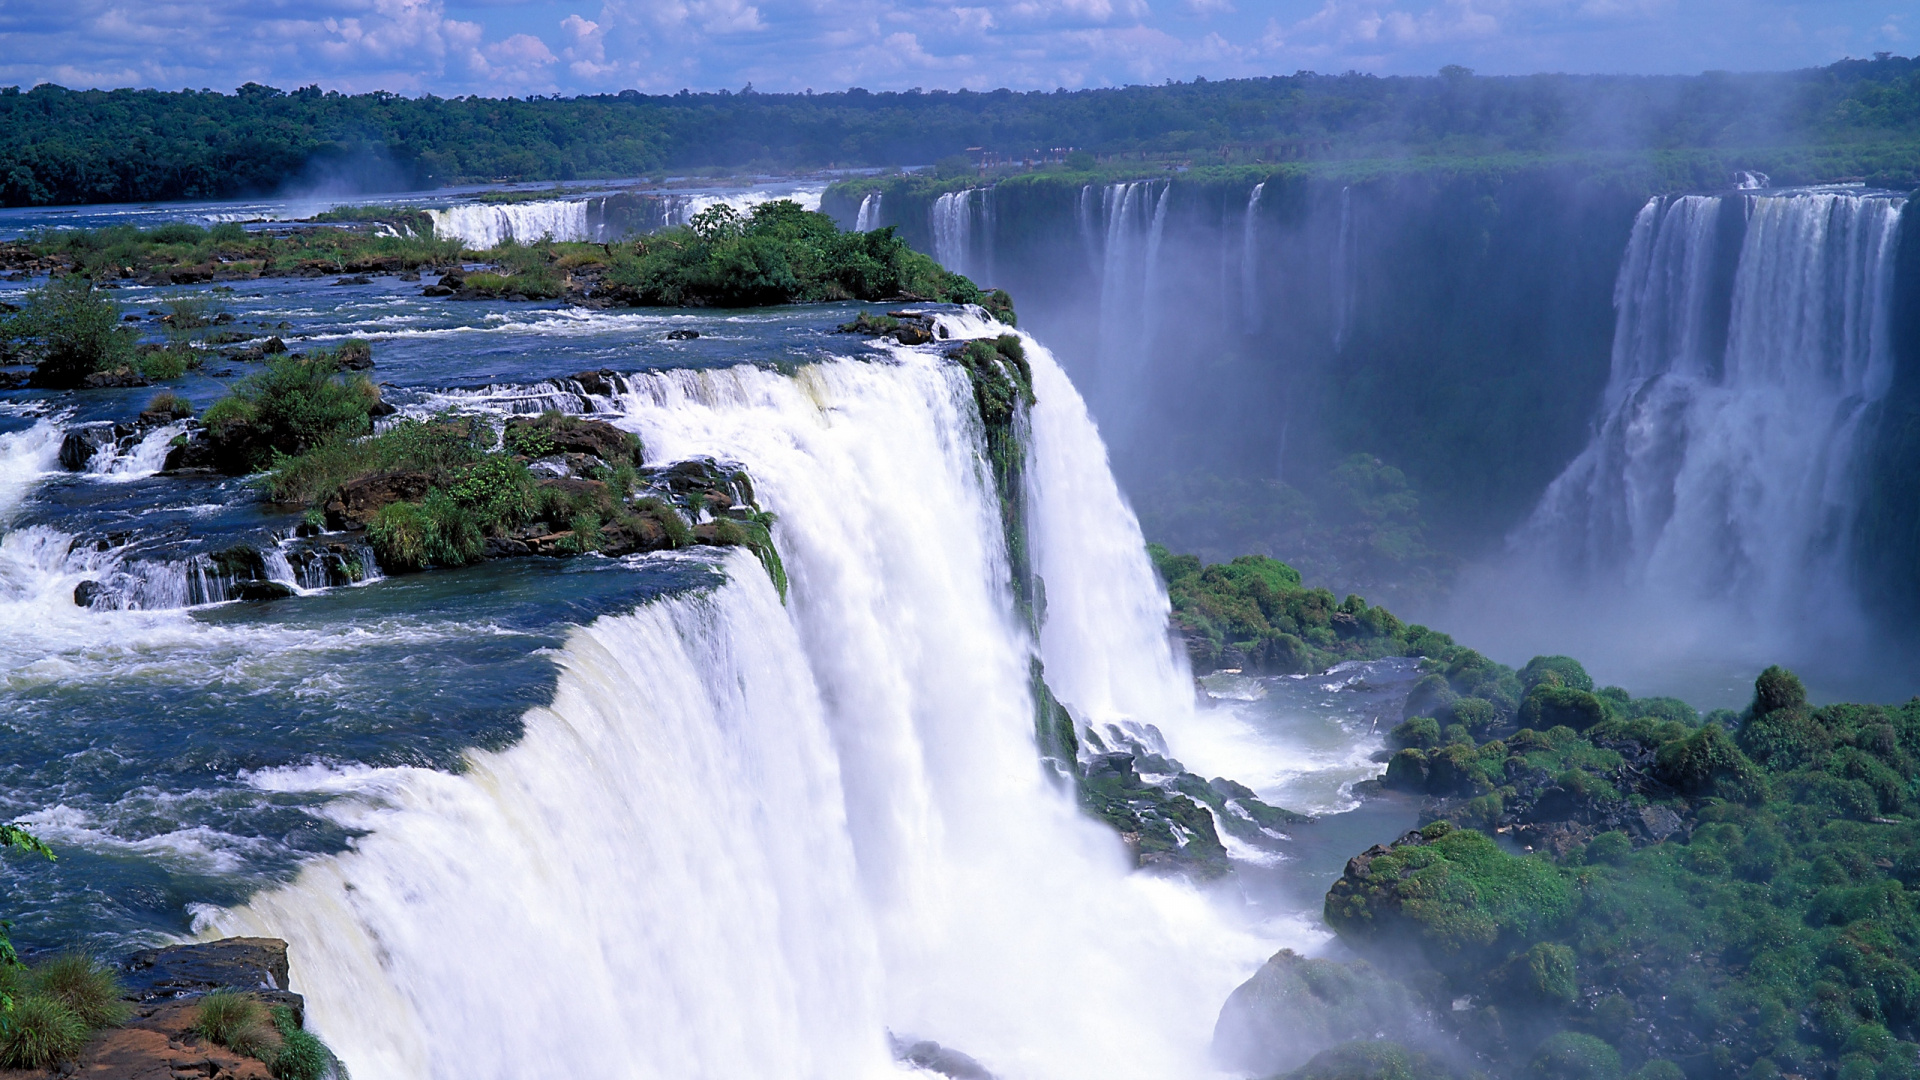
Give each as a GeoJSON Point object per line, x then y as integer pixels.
{"type": "Point", "coordinates": [499, 47]}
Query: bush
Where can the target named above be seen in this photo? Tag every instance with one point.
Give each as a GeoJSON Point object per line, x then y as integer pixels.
{"type": "Point", "coordinates": [1777, 688]}
{"type": "Point", "coordinates": [294, 405]}
{"type": "Point", "coordinates": [168, 405]}
{"type": "Point", "coordinates": [1557, 670]}
{"type": "Point", "coordinates": [1572, 1056]}
{"type": "Point", "coordinates": [1609, 847]}
{"type": "Point", "coordinates": [1708, 763]}
{"type": "Point", "coordinates": [238, 1022]}
{"type": "Point", "coordinates": [72, 330]}
{"type": "Point", "coordinates": [302, 1056]}
{"type": "Point", "coordinates": [83, 985]}
{"type": "Point", "coordinates": [1419, 733]}
{"type": "Point", "coordinates": [39, 1033]}
{"type": "Point", "coordinates": [1375, 1059]}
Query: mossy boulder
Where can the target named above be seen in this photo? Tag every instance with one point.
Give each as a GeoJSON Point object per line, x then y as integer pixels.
{"type": "Point", "coordinates": [1376, 1059]}
{"type": "Point", "coordinates": [1295, 1007]}
{"type": "Point", "coordinates": [552, 433]}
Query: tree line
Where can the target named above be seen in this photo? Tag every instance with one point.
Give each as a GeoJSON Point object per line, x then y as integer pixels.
{"type": "Point", "coordinates": [76, 146]}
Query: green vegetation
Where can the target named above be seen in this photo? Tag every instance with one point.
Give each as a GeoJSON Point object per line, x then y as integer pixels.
{"type": "Point", "coordinates": [297, 403]}
{"type": "Point", "coordinates": [69, 330]}
{"type": "Point", "coordinates": [780, 254]}
{"type": "Point", "coordinates": [63, 146]}
{"type": "Point", "coordinates": [241, 1023]}
{"type": "Point", "coordinates": [1730, 896]}
{"type": "Point", "coordinates": [1372, 1060]}
{"type": "Point", "coordinates": [54, 1008]}
{"type": "Point", "coordinates": [188, 254]}
{"type": "Point", "coordinates": [1254, 614]}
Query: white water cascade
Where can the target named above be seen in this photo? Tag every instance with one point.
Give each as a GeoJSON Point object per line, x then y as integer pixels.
{"type": "Point", "coordinates": [485, 225]}
{"type": "Point", "coordinates": [867, 218]}
{"type": "Point", "coordinates": [1132, 219]}
{"type": "Point", "coordinates": [749, 839]}
{"type": "Point", "coordinates": [962, 227]}
{"type": "Point", "coordinates": [1722, 469]}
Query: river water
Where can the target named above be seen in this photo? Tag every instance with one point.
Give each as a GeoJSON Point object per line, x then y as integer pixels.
{"type": "Point", "coordinates": [640, 815]}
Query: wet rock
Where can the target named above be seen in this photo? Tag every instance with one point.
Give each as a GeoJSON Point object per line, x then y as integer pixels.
{"type": "Point", "coordinates": [355, 279]}
{"type": "Point", "coordinates": [242, 963]}
{"type": "Point", "coordinates": [436, 290]}
{"type": "Point", "coordinates": [85, 593]}
{"type": "Point", "coordinates": [117, 378]}
{"type": "Point", "coordinates": [354, 355]}
{"type": "Point", "coordinates": [682, 335]}
{"type": "Point", "coordinates": [85, 440]}
{"type": "Point", "coordinates": [945, 1060]}
{"type": "Point", "coordinates": [602, 383]}
{"type": "Point", "coordinates": [259, 591]}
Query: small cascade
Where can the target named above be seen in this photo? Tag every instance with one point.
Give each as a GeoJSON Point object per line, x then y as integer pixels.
{"type": "Point", "coordinates": [1747, 180]}
{"type": "Point", "coordinates": [867, 218]}
{"type": "Point", "coordinates": [1751, 344]}
{"type": "Point", "coordinates": [25, 457]}
{"type": "Point", "coordinates": [1346, 263]}
{"type": "Point", "coordinates": [138, 457]}
{"type": "Point", "coordinates": [1250, 260]}
{"type": "Point", "coordinates": [486, 225]}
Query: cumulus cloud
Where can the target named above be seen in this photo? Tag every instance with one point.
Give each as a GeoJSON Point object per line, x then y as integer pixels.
{"type": "Point", "coordinates": [509, 47]}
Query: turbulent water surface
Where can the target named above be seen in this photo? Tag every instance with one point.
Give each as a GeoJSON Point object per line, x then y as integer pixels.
{"type": "Point", "coordinates": [640, 815]}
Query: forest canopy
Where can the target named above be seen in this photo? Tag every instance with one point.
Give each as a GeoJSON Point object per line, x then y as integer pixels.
{"type": "Point", "coordinates": [67, 146]}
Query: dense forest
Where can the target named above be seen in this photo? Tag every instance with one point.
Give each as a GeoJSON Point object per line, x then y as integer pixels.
{"type": "Point", "coordinates": [65, 146]}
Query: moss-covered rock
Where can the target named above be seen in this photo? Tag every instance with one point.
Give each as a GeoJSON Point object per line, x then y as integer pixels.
{"type": "Point", "coordinates": [1296, 1007]}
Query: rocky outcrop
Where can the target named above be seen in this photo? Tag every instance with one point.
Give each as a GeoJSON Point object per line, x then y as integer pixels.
{"type": "Point", "coordinates": [558, 433]}
{"type": "Point", "coordinates": [1294, 1007]}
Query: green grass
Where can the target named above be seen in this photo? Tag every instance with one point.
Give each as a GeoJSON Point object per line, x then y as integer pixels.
{"type": "Point", "coordinates": [84, 985]}
{"type": "Point", "coordinates": [39, 1033]}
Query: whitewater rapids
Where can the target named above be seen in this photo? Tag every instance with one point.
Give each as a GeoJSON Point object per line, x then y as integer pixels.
{"type": "Point", "coordinates": [750, 838]}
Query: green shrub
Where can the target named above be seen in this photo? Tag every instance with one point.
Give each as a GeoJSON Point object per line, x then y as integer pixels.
{"type": "Point", "coordinates": [1573, 1056]}
{"type": "Point", "coordinates": [168, 404]}
{"type": "Point", "coordinates": [302, 1056]}
{"type": "Point", "coordinates": [1550, 704]}
{"type": "Point", "coordinates": [239, 1022]}
{"type": "Point", "coordinates": [1708, 763]}
{"type": "Point", "coordinates": [1419, 733]}
{"type": "Point", "coordinates": [1609, 847]}
{"type": "Point", "coordinates": [1375, 1059]}
{"type": "Point", "coordinates": [40, 1033]}
{"type": "Point", "coordinates": [1777, 688]}
{"type": "Point", "coordinates": [1659, 1070]}
{"type": "Point", "coordinates": [171, 362]}
{"type": "Point", "coordinates": [85, 986]}
{"type": "Point", "coordinates": [177, 232]}
{"type": "Point", "coordinates": [1555, 670]}
{"type": "Point", "coordinates": [294, 405]}
{"type": "Point", "coordinates": [71, 330]}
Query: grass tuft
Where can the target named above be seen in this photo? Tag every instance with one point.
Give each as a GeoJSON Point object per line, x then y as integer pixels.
{"type": "Point", "coordinates": [84, 985]}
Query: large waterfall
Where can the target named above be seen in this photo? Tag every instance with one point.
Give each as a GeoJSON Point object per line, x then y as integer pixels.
{"type": "Point", "coordinates": [962, 226]}
{"type": "Point", "coordinates": [748, 839]}
{"type": "Point", "coordinates": [1750, 347]}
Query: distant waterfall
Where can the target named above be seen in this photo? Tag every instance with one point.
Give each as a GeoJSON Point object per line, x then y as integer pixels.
{"type": "Point", "coordinates": [1250, 260]}
{"type": "Point", "coordinates": [1345, 266]}
{"type": "Point", "coordinates": [962, 227]}
{"type": "Point", "coordinates": [749, 839]}
{"type": "Point", "coordinates": [484, 225]}
{"type": "Point", "coordinates": [868, 217]}
{"type": "Point", "coordinates": [1131, 222]}
{"type": "Point", "coordinates": [1750, 345]}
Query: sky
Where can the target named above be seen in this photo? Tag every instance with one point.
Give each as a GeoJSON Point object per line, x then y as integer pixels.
{"type": "Point", "coordinates": [519, 47]}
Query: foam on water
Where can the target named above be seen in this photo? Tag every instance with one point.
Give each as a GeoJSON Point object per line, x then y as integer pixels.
{"type": "Point", "coordinates": [749, 838]}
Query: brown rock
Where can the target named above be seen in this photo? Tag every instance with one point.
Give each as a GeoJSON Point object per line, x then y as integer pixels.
{"type": "Point", "coordinates": [362, 497]}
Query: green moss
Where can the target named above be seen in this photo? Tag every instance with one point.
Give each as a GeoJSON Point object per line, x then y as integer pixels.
{"type": "Point", "coordinates": [1375, 1059]}
{"type": "Point", "coordinates": [1573, 1056]}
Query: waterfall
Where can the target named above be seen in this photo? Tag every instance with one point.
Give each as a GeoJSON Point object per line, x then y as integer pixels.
{"type": "Point", "coordinates": [749, 839]}
{"type": "Point", "coordinates": [1249, 260]}
{"type": "Point", "coordinates": [952, 225]}
{"type": "Point", "coordinates": [867, 218]}
{"type": "Point", "coordinates": [1751, 343]}
{"type": "Point", "coordinates": [141, 460]}
{"type": "Point", "coordinates": [1133, 222]}
{"type": "Point", "coordinates": [26, 456]}
{"type": "Point", "coordinates": [1346, 263]}
{"type": "Point", "coordinates": [485, 225]}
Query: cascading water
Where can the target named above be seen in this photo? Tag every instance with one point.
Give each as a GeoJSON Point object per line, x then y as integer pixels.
{"type": "Point", "coordinates": [1133, 219]}
{"type": "Point", "coordinates": [1250, 260]}
{"type": "Point", "coordinates": [755, 840]}
{"type": "Point", "coordinates": [962, 232]}
{"type": "Point", "coordinates": [482, 226]}
{"type": "Point", "coordinates": [1750, 347]}
{"type": "Point", "coordinates": [868, 217]}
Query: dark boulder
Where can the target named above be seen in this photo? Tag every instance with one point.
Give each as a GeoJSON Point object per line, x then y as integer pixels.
{"type": "Point", "coordinates": [259, 591]}
{"type": "Point", "coordinates": [116, 378]}
{"type": "Point", "coordinates": [82, 442]}
{"type": "Point", "coordinates": [682, 335]}
{"type": "Point", "coordinates": [945, 1060]}
{"type": "Point", "coordinates": [85, 593]}
{"type": "Point", "coordinates": [602, 383]}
